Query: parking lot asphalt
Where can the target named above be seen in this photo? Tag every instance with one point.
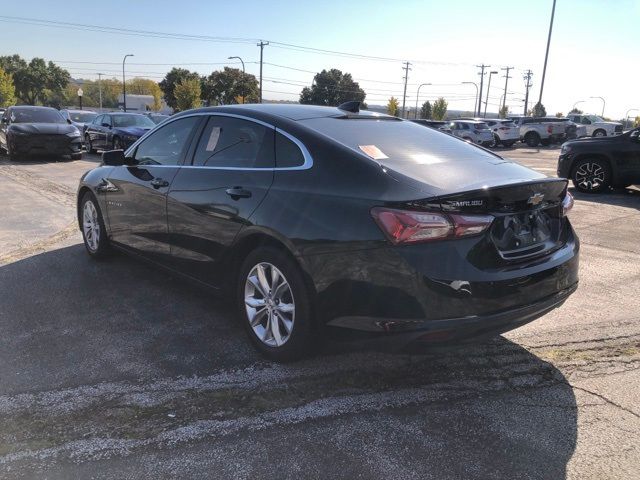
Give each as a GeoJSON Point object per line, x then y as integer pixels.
{"type": "Point", "coordinates": [114, 370]}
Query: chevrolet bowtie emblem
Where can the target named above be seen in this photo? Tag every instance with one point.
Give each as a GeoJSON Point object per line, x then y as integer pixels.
{"type": "Point", "coordinates": [535, 199]}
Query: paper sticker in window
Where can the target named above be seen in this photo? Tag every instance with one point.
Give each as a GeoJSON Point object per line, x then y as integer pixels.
{"type": "Point", "coordinates": [213, 139]}
{"type": "Point", "coordinates": [373, 151]}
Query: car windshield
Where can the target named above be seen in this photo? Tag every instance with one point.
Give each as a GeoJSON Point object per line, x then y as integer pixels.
{"type": "Point", "coordinates": [594, 118]}
{"type": "Point", "coordinates": [36, 115]}
{"type": "Point", "coordinates": [132, 121]}
{"type": "Point", "coordinates": [158, 118]}
{"type": "Point", "coordinates": [82, 117]}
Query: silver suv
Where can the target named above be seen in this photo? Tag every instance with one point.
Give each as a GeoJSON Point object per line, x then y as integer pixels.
{"type": "Point", "coordinates": [472, 131]}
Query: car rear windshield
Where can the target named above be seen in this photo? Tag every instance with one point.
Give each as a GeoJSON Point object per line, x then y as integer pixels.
{"type": "Point", "coordinates": [395, 142]}
{"type": "Point", "coordinates": [132, 121]}
{"type": "Point", "coordinates": [36, 115]}
{"type": "Point", "coordinates": [82, 117]}
{"type": "Point", "coordinates": [508, 124]}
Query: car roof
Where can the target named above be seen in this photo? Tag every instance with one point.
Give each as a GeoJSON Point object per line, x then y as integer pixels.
{"type": "Point", "coordinates": [31, 107]}
{"type": "Point", "coordinates": [78, 111]}
{"type": "Point", "coordinates": [294, 112]}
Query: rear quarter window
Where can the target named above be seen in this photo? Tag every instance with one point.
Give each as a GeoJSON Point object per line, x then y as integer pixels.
{"type": "Point", "coordinates": [288, 154]}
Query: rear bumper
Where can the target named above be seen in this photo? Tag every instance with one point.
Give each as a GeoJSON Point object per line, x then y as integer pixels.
{"type": "Point", "coordinates": [435, 287]}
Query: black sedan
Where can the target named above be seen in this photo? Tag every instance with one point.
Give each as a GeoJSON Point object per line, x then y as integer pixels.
{"type": "Point", "coordinates": [596, 164]}
{"type": "Point", "coordinates": [116, 130]}
{"type": "Point", "coordinates": [27, 130]}
{"type": "Point", "coordinates": [316, 218]}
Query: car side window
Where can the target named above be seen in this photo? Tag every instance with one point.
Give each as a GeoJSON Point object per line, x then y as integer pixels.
{"type": "Point", "coordinates": [98, 120]}
{"type": "Point", "coordinates": [235, 143]}
{"type": "Point", "coordinates": [167, 145]}
{"type": "Point", "coordinates": [106, 120]}
{"type": "Point", "coordinates": [465, 126]}
{"type": "Point", "coordinates": [288, 154]}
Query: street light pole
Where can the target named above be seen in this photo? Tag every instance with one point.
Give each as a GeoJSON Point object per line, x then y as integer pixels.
{"type": "Point", "coordinates": [124, 87]}
{"type": "Point", "coordinates": [475, 103]}
{"type": "Point", "coordinates": [100, 88]}
{"type": "Point", "coordinates": [546, 55]}
{"type": "Point", "coordinates": [626, 117]}
{"type": "Point", "coordinates": [243, 79]}
{"type": "Point", "coordinates": [603, 103]}
{"type": "Point", "coordinates": [486, 101]}
{"type": "Point", "coordinates": [418, 94]}
{"type": "Point", "coordinates": [574, 105]}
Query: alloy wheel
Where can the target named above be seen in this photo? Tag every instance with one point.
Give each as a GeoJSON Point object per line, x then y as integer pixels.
{"type": "Point", "coordinates": [590, 176]}
{"type": "Point", "coordinates": [600, 133]}
{"type": "Point", "coordinates": [91, 225]}
{"type": "Point", "coordinates": [269, 304]}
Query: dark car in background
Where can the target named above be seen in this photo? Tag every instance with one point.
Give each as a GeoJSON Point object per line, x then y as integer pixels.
{"type": "Point", "coordinates": [117, 130]}
{"type": "Point", "coordinates": [317, 218]}
{"type": "Point", "coordinates": [435, 124]}
{"type": "Point", "coordinates": [596, 164]}
{"type": "Point", "coordinates": [28, 130]}
{"type": "Point", "coordinates": [79, 118]}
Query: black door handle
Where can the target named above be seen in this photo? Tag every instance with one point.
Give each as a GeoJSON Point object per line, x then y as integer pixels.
{"type": "Point", "coordinates": [158, 182]}
{"type": "Point", "coordinates": [238, 192]}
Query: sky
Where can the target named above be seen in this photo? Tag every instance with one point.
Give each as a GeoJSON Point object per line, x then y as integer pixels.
{"type": "Point", "coordinates": [594, 49]}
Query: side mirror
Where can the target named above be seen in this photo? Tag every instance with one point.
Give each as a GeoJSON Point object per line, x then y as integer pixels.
{"type": "Point", "coordinates": [114, 158]}
{"type": "Point", "coordinates": [69, 121]}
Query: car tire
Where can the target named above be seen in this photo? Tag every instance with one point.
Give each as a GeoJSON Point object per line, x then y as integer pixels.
{"type": "Point", "coordinates": [76, 156]}
{"type": "Point", "coordinates": [599, 133]}
{"type": "Point", "coordinates": [117, 144]}
{"type": "Point", "coordinates": [532, 139]}
{"type": "Point", "coordinates": [259, 304]}
{"type": "Point", "coordinates": [591, 175]}
{"type": "Point", "coordinates": [87, 145]}
{"type": "Point", "coordinates": [94, 233]}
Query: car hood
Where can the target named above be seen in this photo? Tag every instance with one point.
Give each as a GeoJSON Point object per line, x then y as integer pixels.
{"type": "Point", "coordinates": [607, 123]}
{"type": "Point", "coordinates": [591, 141]}
{"type": "Point", "coordinates": [135, 131]}
{"type": "Point", "coordinates": [43, 128]}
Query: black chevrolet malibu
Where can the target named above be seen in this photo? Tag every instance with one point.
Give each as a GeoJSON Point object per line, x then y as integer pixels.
{"type": "Point", "coordinates": [27, 130]}
{"type": "Point", "coordinates": [319, 217]}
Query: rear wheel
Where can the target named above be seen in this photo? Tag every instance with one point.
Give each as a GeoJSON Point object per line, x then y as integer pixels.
{"type": "Point", "coordinates": [591, 175]}
{"type": "Point", "coordinates": [94, 232]}
{"type": "Point", "coordinates": [275, 305]}
{"type": "Point", "coordinates": [532, 139]}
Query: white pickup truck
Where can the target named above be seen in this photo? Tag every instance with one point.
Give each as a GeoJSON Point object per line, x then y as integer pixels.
{"type": "Point", "coordinates": [540, 130]}
{"type": "Point", "coordinates": [596, 126]}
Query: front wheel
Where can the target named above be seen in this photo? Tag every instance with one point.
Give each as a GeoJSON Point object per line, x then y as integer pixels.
{"type": "Point", "coordinates": [94, 232]}
{"type": "Point", "coordinates": [275, 305]}
{"type": "Point", "coordinates": [117, 144]}
{"type": "Point", "coordinates": [532, 139]}
{"type": "Point", "coordinates": [88, 145]}
{"type": "Point", "coordinates": [600, 133]}
{"type": "Point", "coordinates": [591, 175]}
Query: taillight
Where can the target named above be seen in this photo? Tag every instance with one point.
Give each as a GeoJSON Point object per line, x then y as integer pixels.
{"type": "Point", "coordinates": [549, 129]}
{"type": "Point", "coordinates": [408, 226]}
{"type": "Point", "coordinates": [567, 204]}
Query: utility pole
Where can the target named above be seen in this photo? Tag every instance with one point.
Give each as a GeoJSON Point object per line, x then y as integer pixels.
{"type": "Point", "coordinates": [261, 45]}
{"type": "Point", "coordinates": [546, 55]}
{"type": "Point", "coordinates": [483, 66]}
{"type": "Point", "coordinates": [527, 86]}
{"type": "Point", "coordinates": [100, 88]}
{"type": "Point", "coordinates": [124, 83]}
{"type": "Point", "coordinates": [506, 81]}
{"type": "Point", "coordinates": [406, 78]}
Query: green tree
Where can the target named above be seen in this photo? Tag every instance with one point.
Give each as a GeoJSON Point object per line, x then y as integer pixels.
{"type": "Point", "coordinates": [539, 110]}
{"type": "Point", "coordinates": [36, 82]}
{"type": "Point", "coordinates": [577, 111]}
{"type": "Point", "coordinates": [331, 88]}
{"type": "Point", "coordinates": [7, 90]}
{"type": "Point", "coordinates": [224, 87]}
{"type": "Point", "coordinates": [146, 86]}
{"type": "Point", "coordinates": [392, 106]}
{"type": "Point", "coordinates": [171, 80]}
{"type": "Point", "coordinates": [503, 112]}
{"type": "Point", "coordinates": [637, 122]}
{"type": "Point", "coordinates": [187, 94]}
{"type": "Point", "coordinates": [426, 111]}
{"type": "Point", "coordinates": [440, 109]}
{"type": "Point", "coordinates": [559, 115]}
